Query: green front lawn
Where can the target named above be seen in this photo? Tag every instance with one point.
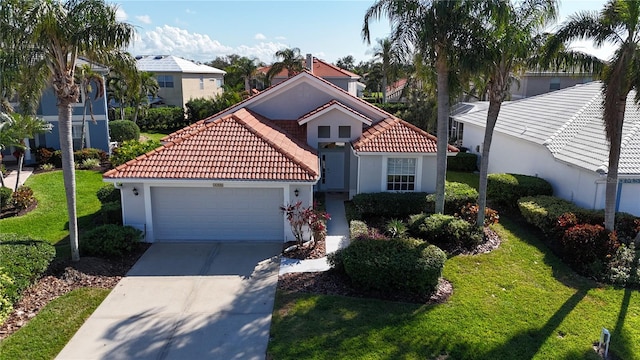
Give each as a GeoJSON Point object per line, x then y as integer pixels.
{"type": "Point", "coordinates": [46, 335]}
{"type": "Point", "coordinates": [49, 221]}
{"type": "Point", "coordinates": [154, 135]}
{"type": "Point", "coordinates": [517, 302]}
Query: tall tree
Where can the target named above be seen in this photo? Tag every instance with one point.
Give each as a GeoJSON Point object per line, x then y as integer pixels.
{"type": "Point", "coordinates": [246, 68]}
{"type": "Point", "coordinates": [86, 77]}
{"type": "Point", "coordinates": [617, 23]}
{"type": "Point", "coordinates": [146, 85]}
{"type": "Point", "coordinates": [23, 127]}
{"type": "Point", "coordinates": [387, 54]}
{"type": "Point", "coordinates": [347, 63]}
{"type": "Point", "coordinates": [56, 33]}
{"type": "Point", "coordinates": [440, 30]}
{"type": "Point", "coordinates": [513, 35]}
{"type": "Point", "coordinates": [290, 60]}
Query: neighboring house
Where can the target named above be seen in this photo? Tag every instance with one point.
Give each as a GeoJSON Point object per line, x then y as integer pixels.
{"type": "Point", "coordinates": [533, 83]}
{"type": "Point", "coordinates": [341, 78]}
{"type": "Point", "coordinates": [560, 137]}
{"type": "Point", "coordinates": [395, 91]}
{"type": "Point", "coordinates": [96, 133]}
{"type": "Point", "coordinates": [225, 177]}
{"type": "Point", "coordinates": [181, 80]}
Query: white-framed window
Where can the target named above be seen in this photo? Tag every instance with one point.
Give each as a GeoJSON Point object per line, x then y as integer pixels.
{"type": "Point", "coordinates": [165, 81]}
{"type": "Point", "coordinates": [201, 82]}
{"type": "Point", "coordinates": [76, 134]}
{"type": "Point", "coordinates": [401, 174]}
{"type": "Point", "coordinates": [219, 83]}
{"type": "Point", "coordinates": [344, 132]}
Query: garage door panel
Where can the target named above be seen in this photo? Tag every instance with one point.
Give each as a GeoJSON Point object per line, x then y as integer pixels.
{"type": "Point", "coordinates": [217, 214]}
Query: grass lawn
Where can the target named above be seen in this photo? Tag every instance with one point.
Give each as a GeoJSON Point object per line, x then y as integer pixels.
{"type": "Point", "coordinates": [49, 221]}
{"type": "Point", "coordinates": [518, 302]}
{"type": "Point", "coordinates": [46, 335]}
{"type": "Point", "coordinates": [156, 135]}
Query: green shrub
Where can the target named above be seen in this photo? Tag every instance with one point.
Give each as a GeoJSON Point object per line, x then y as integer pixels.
{"type": "Point", "coordinates": [90, 153]}
{"type": "Point", "coordinates": [108, 193]}
{"type": "Point", "coordinates": [111, 213]}
{"type": "Point", "coordinates": [456, 195]}
{"type": "Point", "coordinates": [23, 197]}
{"type": "Point", "coordinates": [624, 267]}
{"type": "Point", "coordinates": [446, 231]}
{"type": "Point", "coordinates": [389, 205]}
{"type": "Point", "coordinates": [463, 162]}
{"type": "Point", "coordinates": [506, 189]}
{"type": "Point", "coordinates": [5, 196]}
{"type": "Point", "coordinates": [110, 241]}
{"type": "Point", "coordinates": [543, 211]}
{"type": "Point", "coordinates": [47, 167]}
{"type": "Point", "coordinates": [399, 265]}
{"type": "Point", "coordinates": [336, 260]}
{"type": "Point", "coordinates": [43, 155]}
{"type": "Point", "coordinates": [89, 164]}
{"type": "Point", "coordinates": [163, 118]}
{"type": "Point", "coordinates": [469, 213]}
{"type": "Point", "coordinates": [56, 158]}
{"type": "Point", "coordinates": [357, 229]}
{"type": "Point", "coordinates": [6, 305]}
{"type": "Point", "coordinates": [131, 149]}
{"type": "Point", "coordinates": [23, 260]}
{"type": "Point", "coordinates": [3, 170]}
{"type": "Point", "coordinates": [396, 228]}
{"type": "Point", "coordinates": [123, 130]}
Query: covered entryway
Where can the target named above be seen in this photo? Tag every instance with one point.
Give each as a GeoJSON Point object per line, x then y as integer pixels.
{"type": "Point", "coordinates": [217, 213]}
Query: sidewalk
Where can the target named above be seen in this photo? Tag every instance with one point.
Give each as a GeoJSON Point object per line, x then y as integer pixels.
{"type": "Point", "coordinates": [10, 180]}
{"type": "Point", "coordinates": [337, 238]}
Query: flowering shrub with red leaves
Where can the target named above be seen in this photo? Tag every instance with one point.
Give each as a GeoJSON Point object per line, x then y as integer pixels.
{"type": "Point", "coordinates": [586, 245]}
{"type": "Point", "coordinates": [469, 212]}
{"type": "Point", "coordinates": [302, 219]}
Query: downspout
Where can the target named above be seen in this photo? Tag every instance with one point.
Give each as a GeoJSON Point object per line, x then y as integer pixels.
{"type": "Point", "coordinates": [358, 175]}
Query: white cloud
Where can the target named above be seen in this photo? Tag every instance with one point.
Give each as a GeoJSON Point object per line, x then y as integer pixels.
{"type": "Point", "coordinates": [179, 42]}
{"type": "Point", "coordinates": [260, 36]}
{"type": "Point", "coordinates": [145, 19]}
{"type": "Point", "coordinates": [189, 11]}
{"type": "Point", "coordinates": [120, 14]}
{"type": "Point", "coordinates": [280, 38]}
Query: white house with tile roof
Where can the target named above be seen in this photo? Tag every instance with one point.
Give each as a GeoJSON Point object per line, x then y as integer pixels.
{"type": "Point", "coordinates": [225, 177]}
{"type": "Point", "coordinates": [181, 80]}
{"type": "Point", "coordinates": [560, 137]}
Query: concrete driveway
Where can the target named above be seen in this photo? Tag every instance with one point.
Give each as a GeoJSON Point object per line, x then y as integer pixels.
{"type": "Point", "coordinates": [186, 301]}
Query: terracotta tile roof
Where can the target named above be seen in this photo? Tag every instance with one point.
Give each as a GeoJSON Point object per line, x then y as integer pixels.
{"type": "Point", "coordinates": [321, 68]}
{"type": "Point", "coordinates": [331, 103]}
{"type": "Point", "coordinates": [239, 146]}
{"type": "Point", "coordinates": [396, 135]}
{"type": "Point", "coordinates": [291, 127]}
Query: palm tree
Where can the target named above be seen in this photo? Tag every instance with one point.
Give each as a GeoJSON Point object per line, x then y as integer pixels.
{"type": "Point", "coordinates": [513, 35]}
{"type": "Point", "coordinates": [117, 90]}
{"type": "Point", "coordinates": [291, 60]}
{"type": "Point", "coordinates": [57, 33]}
{"type": "Point", "coordinates": [5, 122]}
{"type": "Point", "coordinates": [147, 86]}
{"type": "Point", "coordinates": [386, 53]}
{"type": "Point", "coordinates": [85, 77]}
{"type": "Point", "coordinates": [24, 127]}
{"type": "Point", "coordinates": [618, 23]}
{"type": "Point", "coordinates": [440, 31]}
{"type": "Point", "coordinates": [246, 68]}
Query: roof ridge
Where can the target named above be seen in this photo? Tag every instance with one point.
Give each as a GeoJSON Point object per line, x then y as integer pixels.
{"type": "Point", "coordinates": [331, 103]}
{"type": "Point", "coordinates": [346, 72]}
{"type": "Point", "coordinates": [272, 143]}
{"type": "Point", "coordinates": [549, 141]}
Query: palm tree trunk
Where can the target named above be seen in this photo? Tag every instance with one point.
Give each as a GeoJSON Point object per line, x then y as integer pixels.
{"type": "Point", "coordinates": [442, 70]}
{"type": "Point", "coordinates": [84, 121]}
{"type": "Point", "coordinates": [384, 89]}
{"type": "Point", "coordinates": [611, 190]}
{"type": "Point", "coordinates": [247, 84]}
{"type": "Point", "coordinates": [492, 117]}
{"type": "Point", "coordinates": [20, 161]}
{"type": "Point", "coordinates": [135, 114]}
{"type": "Point", "coordinates": [69, 173]}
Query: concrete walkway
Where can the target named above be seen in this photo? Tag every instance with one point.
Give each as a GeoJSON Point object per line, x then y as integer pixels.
{"type": "Point", "coordinates": [337, 238]}
{"type": "Point", "coordinates": [10, 180]}
{"type": "Point", "coordinates": [186, 301]}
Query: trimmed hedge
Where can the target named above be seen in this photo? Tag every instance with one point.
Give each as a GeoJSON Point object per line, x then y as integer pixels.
{"type": "Point", "coordinates": [389, 205]}
{"type": "Point", "coordinates": [456, 195]}
{"type": "Point", "coordinates": [543, 211]}
{"type": "Point", "coordinates": [6, 305]}
{"type": "Point", "coordinates": [111, 213]}
{"type": "Point", "coordinates": [123, 130]}
{"type": "Point", "coordinates": [52, 156]}
{"type": "Point", "coordinates": [506, 189]}
{"type": "Point", "coordinates": [110, 241]}
{"type": "Point", "coordinates": [401, 265]}
{"type": "Point", "coordinates": [108, 194]}
{"type": "Point", "coordinates": [163, 118]}
{"type": "Point", "coordinates": [463, 161]}
{"type": "Point", "coordinates": [23, 260]}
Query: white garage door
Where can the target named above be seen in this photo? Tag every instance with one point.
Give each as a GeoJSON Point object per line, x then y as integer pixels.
{"type": "Point", "coordinates": [182, 214]}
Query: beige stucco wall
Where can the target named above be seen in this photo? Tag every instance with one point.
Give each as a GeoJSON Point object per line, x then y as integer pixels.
{"type": "Point", "coordinates": [191, 88]}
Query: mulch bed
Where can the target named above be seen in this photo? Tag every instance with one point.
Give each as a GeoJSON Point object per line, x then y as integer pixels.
{"type": "Point", "coordinates": [11, 211]}
{"type": "Point", "coordinates": [306, 251]}
{"type": "Point", "coordinates": [64, 276]}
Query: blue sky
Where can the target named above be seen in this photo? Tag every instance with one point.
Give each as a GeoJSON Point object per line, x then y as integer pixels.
{"type": "Point", "coordinates": [202, 30]}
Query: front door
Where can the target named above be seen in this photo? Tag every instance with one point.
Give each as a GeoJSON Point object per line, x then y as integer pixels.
{"type": "Point", "coordinates": [333, 170]}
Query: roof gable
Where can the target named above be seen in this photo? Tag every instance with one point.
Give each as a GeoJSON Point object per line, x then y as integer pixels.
{"type": "Point", "coordinates": [170, 63]}
{"type": "Point", "coordinates": [333, 105]}
{"type": "Point", "coordinates": [321, 68]}
{"type": "Point", "coordinates": [239, 146]}
{"type": "Point", "coordinates": [396, 135]}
